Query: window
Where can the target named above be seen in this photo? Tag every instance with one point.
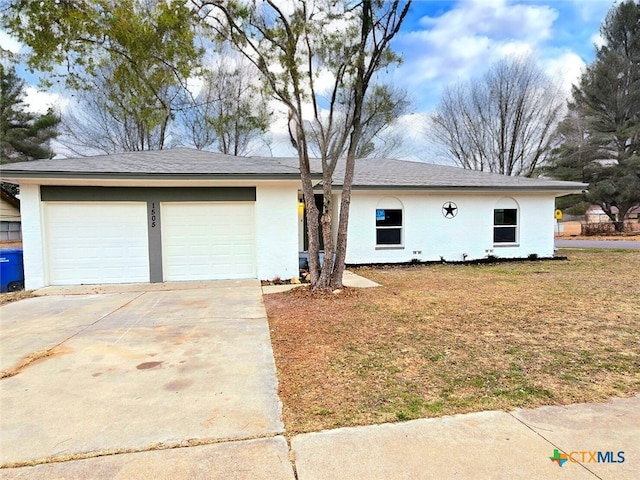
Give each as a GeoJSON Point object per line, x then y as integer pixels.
{"type": "Point", "coordinates": [505, 225]}
{"type": "Point", "coordinates": [10, 231]}
{"type": "Point", "coordinates": [388, 226]}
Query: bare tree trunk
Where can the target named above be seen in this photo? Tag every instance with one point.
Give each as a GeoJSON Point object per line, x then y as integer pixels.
{"type": "Point", "coordinates": [617, 221]}
{"type": "Point", "coordinates": [363, 77]}
{"type": "Point", "coordinates": [285, 39]}
{"type": "Point", "coordinates": [299, 139]}
{"type": "Point", "coordinates": [326, 220]}
{"type": "Point", "coordinates": [361, 83]}
{"type": "Point", "coordinates": [311, 212]}
{"type": "Point", "coordinates": [343, 225]}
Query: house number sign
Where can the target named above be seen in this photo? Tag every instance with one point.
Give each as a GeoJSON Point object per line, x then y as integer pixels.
{"type": "Point", "coordinates": [152, 215]}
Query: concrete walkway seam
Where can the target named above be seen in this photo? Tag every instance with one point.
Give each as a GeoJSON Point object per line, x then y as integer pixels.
{"type": "Point", "coordinates": [16, 369]}
{"type": "Point", "coordinates": [194, 442]}
{"type": "Point", "coordinates": [292, 457]}
{"type": "Point", "coordinates": [552, 444]}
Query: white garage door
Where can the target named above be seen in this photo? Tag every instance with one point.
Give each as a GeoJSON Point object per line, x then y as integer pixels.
{"type": "Point", "coordinates": [208, 241]}
{"type": "Point", "coordinates": [91, 243]}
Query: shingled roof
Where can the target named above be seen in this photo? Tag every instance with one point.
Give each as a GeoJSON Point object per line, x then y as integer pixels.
{"type": "Point", "coordinates": [172, 163]}
{"type": "Point", "coordinates": [390, 174]}
{"type": "Point", "coordinates": [185, 163]}
{"type": "Point", "coordinates": [375, 173]}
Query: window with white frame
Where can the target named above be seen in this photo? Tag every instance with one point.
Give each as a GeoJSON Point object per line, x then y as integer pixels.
{"type": "Point", "coordinates": [388, 226]}
{"type": "Point", "coordinates": [505, 225]}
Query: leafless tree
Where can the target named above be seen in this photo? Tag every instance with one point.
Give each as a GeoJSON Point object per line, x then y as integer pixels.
{"type": "Point", "coordinates": [383, 105]}
{"type": "Point", "coordinates": [106, 119]}
{"type": "Point", "coordinates": [292, 43]}
{"type": "Point", "coordinates": [503, 123]}
{"type": "Point", "coordinates": [231, 110]}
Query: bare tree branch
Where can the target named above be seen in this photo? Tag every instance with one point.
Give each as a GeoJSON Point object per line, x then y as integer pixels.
{"type": "Point", "coordinates": [503, 123]}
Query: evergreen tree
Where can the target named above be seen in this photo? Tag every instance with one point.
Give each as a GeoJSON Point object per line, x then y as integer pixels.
{"type": "Point", "coordinates": [23, 135]}
{"type": "Point", "coordinates": [601, 134]}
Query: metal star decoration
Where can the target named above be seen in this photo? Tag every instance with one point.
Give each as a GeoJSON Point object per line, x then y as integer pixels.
{"type": "Point", "coordinates": [449, 210]}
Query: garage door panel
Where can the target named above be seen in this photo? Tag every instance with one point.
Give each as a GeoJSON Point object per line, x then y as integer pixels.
{"type": "Point", "coordinates": [90, 243]}
{"type": "Point", "coordinates": [205, 241]}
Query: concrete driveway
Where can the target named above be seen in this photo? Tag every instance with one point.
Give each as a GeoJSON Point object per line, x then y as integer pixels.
{"type": "Point", "coordinates": [139, 368]}
{"type": "Point", "coordinates": [133, 376]}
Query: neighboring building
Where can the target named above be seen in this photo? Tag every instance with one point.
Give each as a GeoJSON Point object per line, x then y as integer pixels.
{"type": "Point", "coordinates": [595, 214]}
{"type": "Point", "coordinates": [9, 217]}
{"type": "Point", "coordinates": [184, 214]}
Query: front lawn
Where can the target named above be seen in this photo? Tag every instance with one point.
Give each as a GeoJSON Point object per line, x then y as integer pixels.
{"type": "Point", "coordinates": [445, 339]}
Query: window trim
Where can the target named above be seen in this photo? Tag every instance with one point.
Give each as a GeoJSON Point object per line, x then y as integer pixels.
{"type": "Point", "coordinates": [515, 227]}
{"type": "Point", "coordinates": [390, 246]}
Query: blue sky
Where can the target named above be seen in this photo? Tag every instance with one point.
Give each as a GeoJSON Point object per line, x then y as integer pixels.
{"type": "Point", "coordinates": [448, 41]}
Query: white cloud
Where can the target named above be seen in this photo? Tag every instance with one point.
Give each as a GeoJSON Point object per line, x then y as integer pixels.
{"type": "Point", "coordinates": [9, 43]}
{"type": "Point", "coordinates": [279, 142]}
{"type": "Point", "coordinates": [592, 10]}
{"type": "Point", "coordinates": [513, 49]}
{"type": "Point", "coordinates": [324, 82]}
{"type": "Point", "coordinates": [39, 102]}
{"type": "Point", "coordinates": [194, 85]}
{"type": "Point", "coordinates": [566, 69]}
{"type": "Point", "coordinates": [465, 40]}
{"type": "Point", "coordinates": [495, 19]}
{"type": "Point", "coordinates": [36, 100]}
{"type": "Point", "coordinates": [597, 40]}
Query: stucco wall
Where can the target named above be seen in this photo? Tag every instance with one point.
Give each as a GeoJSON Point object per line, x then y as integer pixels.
{"type": "Point", "coordinates": [277, 231]}
{"type": "Point", "coordinates": [32, 237]}
{"type": "Point", "coordinates": [428, 235]}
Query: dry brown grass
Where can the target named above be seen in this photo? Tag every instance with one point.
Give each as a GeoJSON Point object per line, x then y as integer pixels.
{"type": "Point", "coordinates": [15, 296]}
{"type": "Point", "coordinates": [33, 359]}
{"type": "Point", "coordinates": [445, 339]}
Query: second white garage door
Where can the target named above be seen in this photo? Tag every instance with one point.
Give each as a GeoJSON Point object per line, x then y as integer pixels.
{"type": "Point", "coordinates": [208, 241]}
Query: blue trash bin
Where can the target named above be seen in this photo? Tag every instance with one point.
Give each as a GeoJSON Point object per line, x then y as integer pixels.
{"type": "Point", "coordinates": [11, 270]}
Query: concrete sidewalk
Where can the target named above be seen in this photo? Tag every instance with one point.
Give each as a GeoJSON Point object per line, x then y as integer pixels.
{"type": "Point", "coordinates": [485, 445]}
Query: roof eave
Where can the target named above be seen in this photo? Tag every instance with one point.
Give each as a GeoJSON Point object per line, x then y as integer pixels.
{"type": "Point", "coordinates": [17, 175]}
{"type": "Point", "coordinates": [6, 196]}
{"type": "Point", "coordinates": [519, 188]}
